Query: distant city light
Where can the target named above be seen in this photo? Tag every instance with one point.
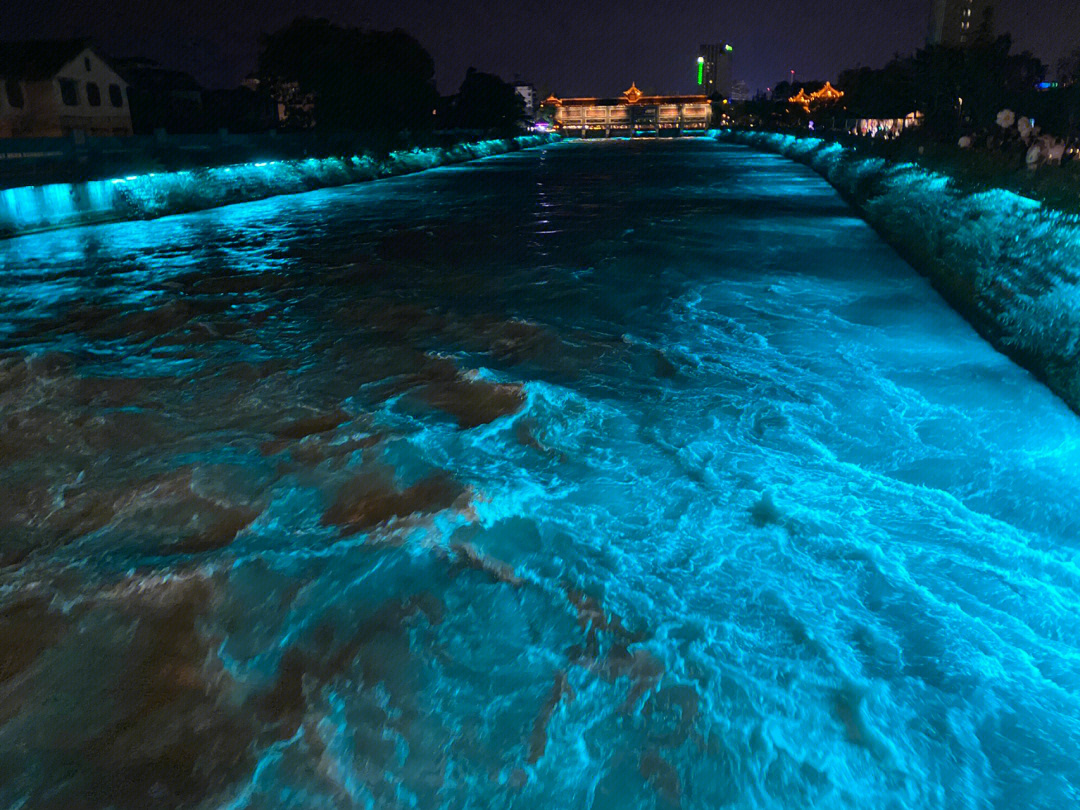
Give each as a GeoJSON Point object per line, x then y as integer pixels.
{"type": "Point", "coordinates": [701, 70]}
{"type": "Point", "coordinates": [728, 48]}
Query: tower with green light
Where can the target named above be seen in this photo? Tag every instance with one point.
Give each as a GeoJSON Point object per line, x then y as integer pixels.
{"type": "Point", "coordinates": [714, 69]}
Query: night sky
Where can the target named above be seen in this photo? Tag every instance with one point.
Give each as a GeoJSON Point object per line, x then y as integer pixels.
{"type": "Point", "coordinates": [573, 47]}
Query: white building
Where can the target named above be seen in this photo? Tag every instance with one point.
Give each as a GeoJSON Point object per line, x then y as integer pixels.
{"type": "Point", "coordinates": [528, 95]}
{"type": "Point", "coordinates": [52, 88]}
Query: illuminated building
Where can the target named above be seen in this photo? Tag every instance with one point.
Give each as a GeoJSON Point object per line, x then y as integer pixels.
{"type": "Point", "coordinates": [628, 114]}
{"type": "Point", "coordinates": [885, 127]}
{"type": "Point", "coordinates": [714, 69]}
{"type": "Point", "coordinates": [958, 23]}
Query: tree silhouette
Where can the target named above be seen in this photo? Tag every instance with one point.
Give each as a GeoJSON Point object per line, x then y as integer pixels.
{"type": "Point", "coordinates": [933, 80]}
{"type": "Point", "coordinates": [485, 101]}
{"type": "Point", "coordinates": [377, 81]}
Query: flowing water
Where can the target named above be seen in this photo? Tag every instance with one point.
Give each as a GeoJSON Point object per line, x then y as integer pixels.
{"type": "Point", "coordinates": [608, 475]}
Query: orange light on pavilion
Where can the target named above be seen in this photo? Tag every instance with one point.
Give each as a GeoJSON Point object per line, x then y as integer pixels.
{"type": "Point", "coordinates": [826, 95]}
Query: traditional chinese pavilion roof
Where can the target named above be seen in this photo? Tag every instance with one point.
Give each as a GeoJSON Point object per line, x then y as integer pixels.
{"type": "Point", "coordinates": [630, 96]}
{"type": "Point", "coordinates": [826, 95]}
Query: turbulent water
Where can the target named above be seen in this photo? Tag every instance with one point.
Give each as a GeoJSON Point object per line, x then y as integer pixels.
{"type": "Point", "coordinates": [608, 475]}
{"type": "Point", "coordinates": [1009, 262]}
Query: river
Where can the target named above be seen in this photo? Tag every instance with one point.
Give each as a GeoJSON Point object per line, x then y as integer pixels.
{"type": "Point", "coordinates": [613, 474]}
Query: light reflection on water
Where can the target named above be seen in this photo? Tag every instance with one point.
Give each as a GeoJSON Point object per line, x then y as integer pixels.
{"type": "Point", "coordinates": [381, 496]}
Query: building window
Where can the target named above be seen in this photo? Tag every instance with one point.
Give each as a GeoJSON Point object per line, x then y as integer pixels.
{"type": "Point", "coordinates": [86, 61]}
{"type": "Point", "coordinates": [14, 93]}
{"type": "Point", "coordinates": [69, 92]}
{"type": "Point", "coordinates": [115, 96]}
{"type": "Point", "coordinates": [93, 94]}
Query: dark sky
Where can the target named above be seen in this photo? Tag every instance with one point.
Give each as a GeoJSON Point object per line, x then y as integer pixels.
{"type": "Point", "coordinates": [570, 46]}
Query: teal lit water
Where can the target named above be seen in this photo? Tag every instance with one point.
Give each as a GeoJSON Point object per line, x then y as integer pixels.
{"type": "Point", "coordinates": [609, 475]}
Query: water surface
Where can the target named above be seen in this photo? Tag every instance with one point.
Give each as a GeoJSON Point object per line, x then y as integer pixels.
{"type": "Point", "coordinates": [609, 475]}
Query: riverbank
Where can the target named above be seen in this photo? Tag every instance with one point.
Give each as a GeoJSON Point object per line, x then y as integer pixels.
{"type": "Point", "coordinates": [1009, 264]}
{"type": "Point", "coordinates": [28, 209]}
{"type": "Point", "coordinates": [977, 168]}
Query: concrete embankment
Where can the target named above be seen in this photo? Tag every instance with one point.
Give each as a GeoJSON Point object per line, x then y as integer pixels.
{"type": "Point", "coordinates": [144, 196]}
{"type": "Point", "coordinates": [1008, 264]}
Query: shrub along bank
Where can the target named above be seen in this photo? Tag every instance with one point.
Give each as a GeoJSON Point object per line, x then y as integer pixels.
{"type": "Point", "coordinates": [1006, 262]}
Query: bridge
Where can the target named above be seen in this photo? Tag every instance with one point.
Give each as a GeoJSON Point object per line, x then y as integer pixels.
{"type": "Point", "coordinates": [631, 113]}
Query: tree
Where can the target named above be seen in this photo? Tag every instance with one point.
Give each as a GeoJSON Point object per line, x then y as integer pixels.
{"type": "Point", "coordinates": [991, 78]}
{"type": "Point", "coordinates": [934, 80]}
{"type": "Point", "coordinates": [1069, 68]}
{"type": "Point", "coordinates": [485, 101]}
{"type": "Point", "coordinates": [890, 92]}
{"type": "Point", "coordinates": [375, 81]}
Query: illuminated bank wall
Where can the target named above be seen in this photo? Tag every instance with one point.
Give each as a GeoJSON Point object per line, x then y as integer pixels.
{"type": "Point", "coordinates": [144, 196]}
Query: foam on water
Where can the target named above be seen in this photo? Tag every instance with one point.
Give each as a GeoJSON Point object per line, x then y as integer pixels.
{"type": "Point", "coordinates": [611, 475]}
{"type": "Point", "coordinates": [1003, 258]}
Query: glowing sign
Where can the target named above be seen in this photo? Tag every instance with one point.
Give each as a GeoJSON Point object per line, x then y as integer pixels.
{"type": "Point", "coordinates": [701, 70]}
{"type": "Point", "coordinates": [728, 48]}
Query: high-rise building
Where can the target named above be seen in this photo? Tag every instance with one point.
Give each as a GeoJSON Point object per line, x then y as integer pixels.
{"type": "Point", "coordinates": [714, 69]}
{"type": "Point", "coordinates": [960, 23]}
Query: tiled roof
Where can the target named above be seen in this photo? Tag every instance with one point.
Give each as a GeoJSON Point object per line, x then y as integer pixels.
{"type": "Point", "coordinates": [622, 101]}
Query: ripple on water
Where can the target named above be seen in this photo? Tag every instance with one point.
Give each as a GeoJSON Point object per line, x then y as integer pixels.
{"type": "Point", "coordinates": [376, 497]}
